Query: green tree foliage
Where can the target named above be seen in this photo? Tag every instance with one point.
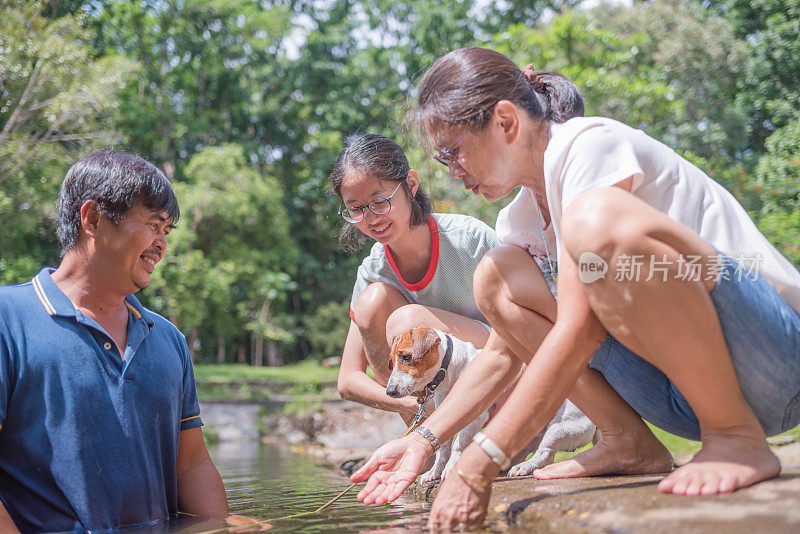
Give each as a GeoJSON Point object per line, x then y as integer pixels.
{"type": "Point", "coordinates": [55, 101]}
{"type": "Point", "coordinates": [778, 176]}
{"type": "Point", "coordinates": [778, 170]}
{"type": "Point", "coordinates": [245, 104]}
{"type": "Point", "coordinates": [768, 91]}
{"type": "Point", "coordinates": [205, 64]}
{"type": "Point", "coordinates": [231, 259]}
{"type": "Point", "coordinates": [697, 56]}
{"type": "Point", "coordinates": [783, 230]}
{"type": "Point", "coordinates": [615, 76]}
{"type": "Point", "coordinates": [326, 328]}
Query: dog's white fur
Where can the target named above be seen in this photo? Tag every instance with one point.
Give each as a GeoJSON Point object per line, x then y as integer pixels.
{"type": "Point", "coordinates": [569, 430]}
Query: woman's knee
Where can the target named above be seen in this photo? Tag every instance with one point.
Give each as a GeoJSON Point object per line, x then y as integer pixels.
{"type": "Point", "coordinates": [375, 304]}
{"type": "Point", "coordinates": [597, 221]}
{"type": "Point", "coordinates": [508, 275]}
{"type": "Point", "coordinates": [402, 319]}
{"type": "Point", "coordinates": [489, 275]}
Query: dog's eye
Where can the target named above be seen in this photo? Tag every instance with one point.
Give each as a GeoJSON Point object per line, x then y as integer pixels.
{"type": "Point", "coordinates": [405, 358]}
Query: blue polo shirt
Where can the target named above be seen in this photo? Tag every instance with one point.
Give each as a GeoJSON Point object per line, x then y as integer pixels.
{"type": "Point", "coordinates": [88, 440]}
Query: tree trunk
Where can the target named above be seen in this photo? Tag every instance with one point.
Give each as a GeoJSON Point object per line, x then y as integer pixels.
{"type": "Point", "coordinates": [241, 353]}
{"type": "Point", "coordinates": [274, 354]}
{"type": "Point", "coordinates": [220, 349]}
{"type": "Point", "coordinates": [193, 341]}
{"type": "Point", "coordinates": [258, 356]}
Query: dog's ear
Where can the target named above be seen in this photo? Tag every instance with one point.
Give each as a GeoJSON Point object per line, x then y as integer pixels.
{"type": "Point", "coordinates": [425, 339]}
{"type": "Point", "coordinates": [392, 352]}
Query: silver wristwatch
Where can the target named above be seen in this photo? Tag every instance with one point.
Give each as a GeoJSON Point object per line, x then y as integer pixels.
{"type": "Point", "coordinates": [427, 434]}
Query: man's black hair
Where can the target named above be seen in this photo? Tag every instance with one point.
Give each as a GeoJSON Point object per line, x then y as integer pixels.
{"type": "Point", "coordinates": [117, 181]}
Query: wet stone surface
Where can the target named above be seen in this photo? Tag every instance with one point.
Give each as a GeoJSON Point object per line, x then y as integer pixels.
{"type": "Point", "coordinates": [634, 504]}
{"type": "Point", "coordinates": [601, 504]}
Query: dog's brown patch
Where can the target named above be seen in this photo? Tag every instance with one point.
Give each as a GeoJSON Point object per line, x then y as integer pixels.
{"type": "Point", "coordinates": [422, 344]}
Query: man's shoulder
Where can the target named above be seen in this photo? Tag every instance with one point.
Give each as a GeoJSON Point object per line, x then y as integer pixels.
{"type": "Point", "coordinates": [161, 322]}
{"type": "Point", "coordinates": [159, 325]}
{"type": "Point", "coordinates": [16, 295]}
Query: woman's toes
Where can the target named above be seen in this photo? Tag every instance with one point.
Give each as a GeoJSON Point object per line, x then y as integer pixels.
{"type": "Point", "coordinates": [681, 483]}
{"type": "Point", "coordinates": [692, 488]}
{"type": "Point", "coordinates": [727, 485]}
{"type": "Point", "coordinates": [666, 485]}
{"type": "Point", "coordinates": [711, 487]}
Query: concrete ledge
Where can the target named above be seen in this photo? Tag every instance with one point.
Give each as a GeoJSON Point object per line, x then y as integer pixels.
{"type": "Point", "coordinates": [634, 504]}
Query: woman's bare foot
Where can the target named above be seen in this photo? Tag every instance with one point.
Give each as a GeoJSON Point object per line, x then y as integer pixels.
{"type": "Point", "coordinates": [617, 453]}
{"type": "Point", "coordinates": [725, 463]}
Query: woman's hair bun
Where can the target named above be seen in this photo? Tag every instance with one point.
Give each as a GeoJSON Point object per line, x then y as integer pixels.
{"type": "Point", "coordinates": [537, 84]}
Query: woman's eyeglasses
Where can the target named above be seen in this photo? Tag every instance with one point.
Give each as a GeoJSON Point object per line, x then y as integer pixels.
{"type": "Point", "coordinates": [446, 156]}
{"type": "Point", "coordinates": [378, 206]}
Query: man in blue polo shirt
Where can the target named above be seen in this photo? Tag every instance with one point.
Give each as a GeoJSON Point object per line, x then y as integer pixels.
{"type": "Point", "coordinates": [99, 417]}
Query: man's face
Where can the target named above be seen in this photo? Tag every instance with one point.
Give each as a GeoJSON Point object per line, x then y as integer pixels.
{"type": "Point", "coordinates": [133, 247]}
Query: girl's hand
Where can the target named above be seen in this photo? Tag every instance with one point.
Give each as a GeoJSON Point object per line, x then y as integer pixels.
{"type": "Point", "coordinates": [413, 407]}
{"type": "Point", "coordinates": [392, 469]}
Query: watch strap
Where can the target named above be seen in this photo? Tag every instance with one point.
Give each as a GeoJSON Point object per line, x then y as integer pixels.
{"type": "Point", "coordinates": [490, 447]}
{"type": "Point", "coordinates": [427, 434]}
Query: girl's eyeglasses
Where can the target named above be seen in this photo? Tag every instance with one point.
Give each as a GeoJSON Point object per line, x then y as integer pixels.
{"type": "Point", "coordinates": [378, 206]}
{"type": "Point", "coordinates": [446, 156]}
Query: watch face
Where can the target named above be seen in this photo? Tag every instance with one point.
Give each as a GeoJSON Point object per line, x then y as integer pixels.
{"type": "Point", "coordinates": [427, 434]}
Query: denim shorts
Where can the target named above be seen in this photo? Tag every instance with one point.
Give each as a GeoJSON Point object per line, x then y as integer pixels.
{"type": "Point", "coordinates": [763, 336]}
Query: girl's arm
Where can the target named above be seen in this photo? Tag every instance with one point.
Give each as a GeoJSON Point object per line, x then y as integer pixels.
{"type": "Point", "coordinates": [355, 385]}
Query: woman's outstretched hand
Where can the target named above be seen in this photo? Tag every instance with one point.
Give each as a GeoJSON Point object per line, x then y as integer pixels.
{"type": "Point", "coordinates": [392, 468]}
{"type": "Point", "coordinates": [463, 497]}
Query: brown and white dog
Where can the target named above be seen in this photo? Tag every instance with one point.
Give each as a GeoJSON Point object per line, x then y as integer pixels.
{"type": "Point", "coordinates": [416, 360]}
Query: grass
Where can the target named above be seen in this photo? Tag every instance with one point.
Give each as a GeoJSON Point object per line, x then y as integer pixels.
{"type": "Point", "coordinates": [794, 433]}
{"type": "Point", "coordinates": [243, 382]}
{"type": "Point", "coordinates": [307, 371]}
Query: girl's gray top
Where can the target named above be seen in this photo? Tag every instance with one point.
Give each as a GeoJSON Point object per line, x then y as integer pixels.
{"type": "Point", "coordinates": [458, 242]}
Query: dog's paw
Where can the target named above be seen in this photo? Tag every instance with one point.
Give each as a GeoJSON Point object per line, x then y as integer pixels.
{"type": "Point", "coordinates": [430, 476]}
{"type": "Point", "coordinates": [451, 463]}
{"type": "Point", "coordinates": [447, 469]}
{"type": "Point", "coordinates": [522, 469]}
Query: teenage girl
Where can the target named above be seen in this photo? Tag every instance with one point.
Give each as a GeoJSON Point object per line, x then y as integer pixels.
{"type": "Point", "coordinates": [419, 270]}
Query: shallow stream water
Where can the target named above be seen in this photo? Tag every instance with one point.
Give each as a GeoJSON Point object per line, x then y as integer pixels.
{"type": "Point", "coordinates": [266, 482]}
{"type": "Point", "coordinates": [269, 481]}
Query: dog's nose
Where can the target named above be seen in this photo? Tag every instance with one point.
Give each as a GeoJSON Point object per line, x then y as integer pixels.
{"type": "Point", "coordinates": [393, 391]}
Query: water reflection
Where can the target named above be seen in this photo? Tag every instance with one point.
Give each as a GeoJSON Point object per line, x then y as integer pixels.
{"type": "Point", "coordinates": [269, 481]}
